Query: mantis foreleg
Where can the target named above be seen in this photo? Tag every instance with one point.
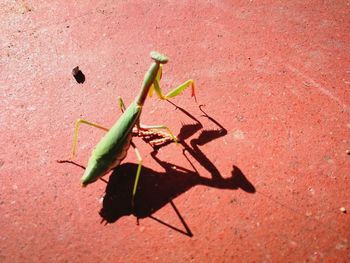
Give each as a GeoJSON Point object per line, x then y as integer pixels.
{"type": "Point", "coordinates": [174, 92]}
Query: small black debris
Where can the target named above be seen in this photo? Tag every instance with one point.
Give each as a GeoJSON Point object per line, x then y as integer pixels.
{"type": "Point", "coordinates": [343, 210]}
{"type": "Point", "coordinates": [78, 75]}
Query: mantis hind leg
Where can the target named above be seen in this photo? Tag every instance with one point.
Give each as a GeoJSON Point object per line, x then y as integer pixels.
{"type": "Point", "coordinates": [77, 125]}
{"type": "Point", "coordinates": [138, 172]}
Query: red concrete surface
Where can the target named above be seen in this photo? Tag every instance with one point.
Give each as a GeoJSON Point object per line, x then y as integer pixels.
{"type": "Point", "coordinates": [271, 160]}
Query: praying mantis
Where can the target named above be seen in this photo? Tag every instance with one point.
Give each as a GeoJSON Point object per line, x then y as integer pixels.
{"type": "Point", "coordinates": [112, 149]}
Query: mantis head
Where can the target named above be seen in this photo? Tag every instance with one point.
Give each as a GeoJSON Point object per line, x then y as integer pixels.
{"type": "Point", "coordinates": [159, 58]}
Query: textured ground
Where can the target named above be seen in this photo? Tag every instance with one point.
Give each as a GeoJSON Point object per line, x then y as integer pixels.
{"type": "Point", "coordinates": [265, 171]}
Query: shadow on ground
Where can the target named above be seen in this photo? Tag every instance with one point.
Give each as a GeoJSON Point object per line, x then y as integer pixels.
{"type": "Point", "coordinates": [156, 189]}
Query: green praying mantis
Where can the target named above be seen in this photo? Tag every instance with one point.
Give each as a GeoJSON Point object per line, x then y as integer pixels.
{"type": "Point", "coordinates": [113, 147]}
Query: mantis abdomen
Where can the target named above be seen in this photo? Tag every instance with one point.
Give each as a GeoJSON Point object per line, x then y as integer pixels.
{"type": "Point", "coordinates": [113, 147]}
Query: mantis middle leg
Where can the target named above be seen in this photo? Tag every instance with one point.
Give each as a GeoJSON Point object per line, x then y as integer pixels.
{"type": "Point", "coordinates": [77, 125]}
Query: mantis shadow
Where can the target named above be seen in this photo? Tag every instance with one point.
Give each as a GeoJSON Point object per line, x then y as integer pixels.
{"type": "Point", "coordinates": [157, 189]}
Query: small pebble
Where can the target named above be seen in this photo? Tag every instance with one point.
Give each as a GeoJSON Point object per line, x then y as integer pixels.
{"type": "Point", "coordinates": [308, 214]}
{"type": "Point", "coordinates": [343, 210]}
{"type": "Point", "coordinates": [78, 75]}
